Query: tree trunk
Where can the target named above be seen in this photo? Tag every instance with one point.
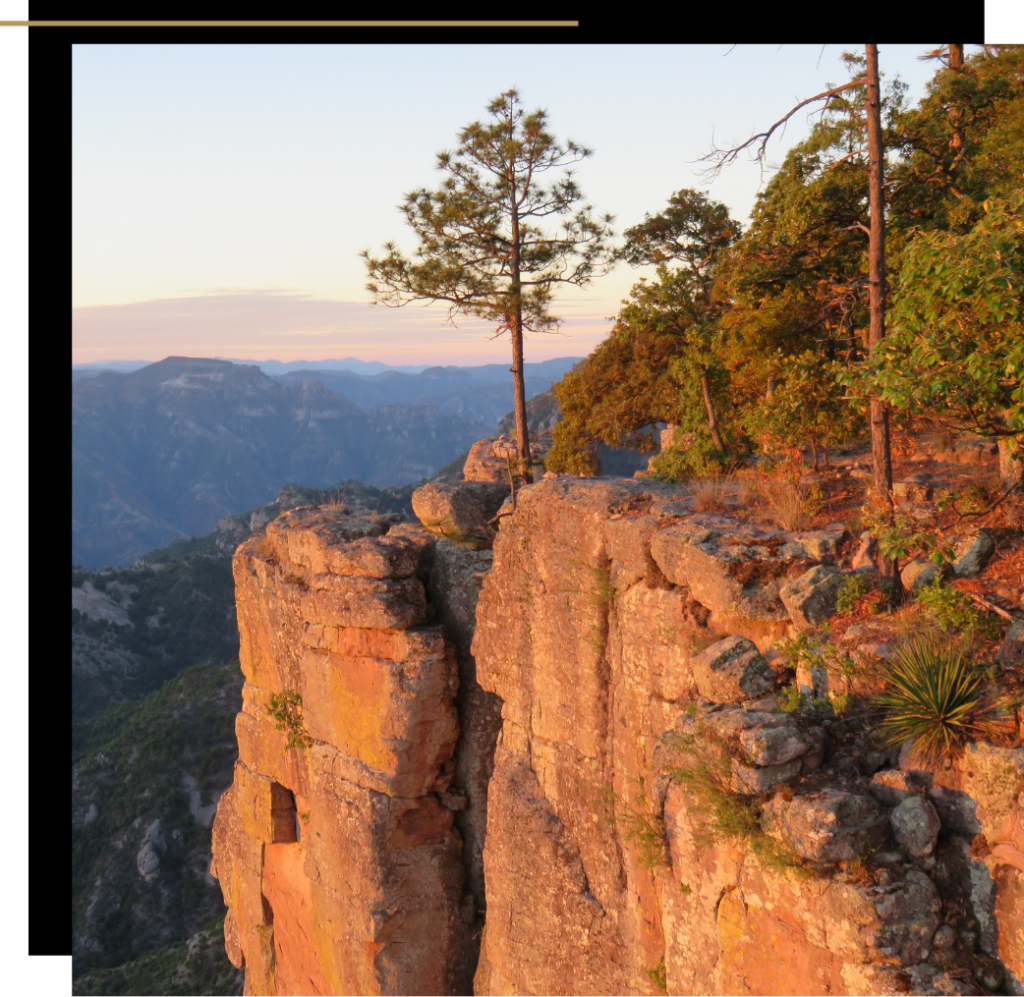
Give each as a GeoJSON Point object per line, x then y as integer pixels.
{"type": "Point", "coordinates": [880, 449]}
{"type": "Point", "coordinates": [1011, 463]}
{"type": "Point", "coordinates": [956, 57]}
{"type": "Point", "coordinates": [716, 434]}
{"type": "Point", "coordinates": [518, 381]}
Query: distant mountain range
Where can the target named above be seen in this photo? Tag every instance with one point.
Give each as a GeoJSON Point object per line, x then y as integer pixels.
{"type": "Point", "coordinates": [169, 449]}
{"type": "Point", "coordinates": [552, 369]}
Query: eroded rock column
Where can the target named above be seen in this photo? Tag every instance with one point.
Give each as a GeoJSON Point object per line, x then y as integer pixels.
{"type": "Point", "coordinates": [341, 868]}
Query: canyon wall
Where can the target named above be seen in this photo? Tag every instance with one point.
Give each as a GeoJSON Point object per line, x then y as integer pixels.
{"type": "Point", "coordinates": [558, 767]}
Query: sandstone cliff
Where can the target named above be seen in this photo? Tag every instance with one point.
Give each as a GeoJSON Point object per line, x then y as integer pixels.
{"type": "Point", "coordinates": [639, 819]}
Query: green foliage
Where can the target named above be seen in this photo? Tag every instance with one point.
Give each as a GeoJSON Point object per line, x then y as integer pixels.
{"type": "Point", "coordinates": [850, 592]}
{"type": "Point", "coordinates": [179, 968]}
{"type": "Point", "coordinates": [954, 610]}
{"type": "Point", "coordinates": [941, 699]}
{"type": "Point", "coordinates": [286, 709]}
{"type": "Point", "coordinates": [955, 343]}
{"type": "Point", "coordinates": [704, 768]}
{"type": "Point", "coordinates": [129, 760]}
{"type": "Point", "coordinates": [650, 367]}
{"type": "Point", "coordinates": [659, 977]}
{"type": "Point", "coordinates": [791, 701]}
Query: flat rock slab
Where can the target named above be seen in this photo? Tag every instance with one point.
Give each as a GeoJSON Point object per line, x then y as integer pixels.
{"type": "Point", "coordinates": [732, 569]}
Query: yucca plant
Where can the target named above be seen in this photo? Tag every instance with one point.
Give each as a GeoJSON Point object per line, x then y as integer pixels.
{"type": "Point", "coordinates": [941, 699]}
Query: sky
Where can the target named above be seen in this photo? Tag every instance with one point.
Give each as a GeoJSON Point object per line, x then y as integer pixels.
{"type": "Point", "coordinates": [221, 194]}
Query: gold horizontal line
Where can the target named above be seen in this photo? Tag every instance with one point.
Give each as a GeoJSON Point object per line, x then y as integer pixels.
{"type": "Point", "coordinates": [289, 24]}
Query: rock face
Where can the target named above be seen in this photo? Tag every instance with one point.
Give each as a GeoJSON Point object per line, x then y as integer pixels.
{"type": "Point", "coordinates": [623, 811]}
{"type": "Point", "coordinates": [340, 865]}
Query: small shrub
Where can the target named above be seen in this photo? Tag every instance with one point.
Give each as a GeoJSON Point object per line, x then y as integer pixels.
{"type": "Point", "coordinates": [941, 699]}
{"type": "Point", "coordinates": [954, 610]}
{"type": "Point", "coordinates": [659, 977]}
{"type": "Point", "coordinates": [850, 592]}
{"type": "Point", "coordinates": [263, 547]}
{"type": "Point", "coordinates": [791, 700]}
{"type": "Point", "coordinates": [286, 709]}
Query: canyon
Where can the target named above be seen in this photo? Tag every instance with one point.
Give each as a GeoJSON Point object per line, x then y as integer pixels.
{"type": "Point", "coordinates": [558, 766]}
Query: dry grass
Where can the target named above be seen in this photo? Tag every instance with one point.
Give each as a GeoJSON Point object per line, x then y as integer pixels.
{"type": "Point", "coordinates": [335, 502]}
{"type": "Point", "coordinates": [263, 547]}
{"type": "Point", "coordinates": [748, 490]}
{"type": "Point", "coordinates": [711, 492]}
{"type": "Point", "coordinates": [791, 506]}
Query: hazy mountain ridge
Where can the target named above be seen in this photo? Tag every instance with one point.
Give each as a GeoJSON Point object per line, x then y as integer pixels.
{"type": "Point", "coordinates": [169, 449]}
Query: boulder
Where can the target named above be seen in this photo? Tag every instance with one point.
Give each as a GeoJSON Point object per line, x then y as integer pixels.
{"type": "Point", "coordinates": [973, 551]}
{"type": "Point", "coordinates": [820, 545]}
{"type": "Point", "coordinates": [866, 557]}
{"type": "Point", "coordinates": [916, 826]}
{"type": "Point", "coordinates": [1011, 651]}
{"type": "Point", "coordinates": [909, 914]}
{"type": "Point", "coordinates": [482, 465]}
{"type": "Point", "coordinates": [811, 598]}
{"type": "Point", "coordinates": [731, 671]}
{"type": "Point", "coordinates": [916, 574]}
{"type": "Point", "coordinates": [892, 787]}
{"type": "Point", "coordinates": [827, 826]}
{"type": "Point", "coordinates": [459, 508]}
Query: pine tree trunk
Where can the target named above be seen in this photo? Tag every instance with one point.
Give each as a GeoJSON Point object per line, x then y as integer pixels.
{"type": "Point", "coordinates": [518, 381]}
{"type": "Point", "coordinates": [1011, 466]}
{"type": "Point", "coordinates": [880, 450]}
{"type": "Point", "coordinates": [716, 434]}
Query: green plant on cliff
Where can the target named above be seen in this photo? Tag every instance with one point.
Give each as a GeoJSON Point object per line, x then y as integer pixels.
{"type": "Point", "coordinates": [704, 768]}
{"type": "Point", "coordinates": [286, 709]}
{"type": "Point", "coordinates": [941, 699]}
{"type": "Point", "coordinates": [646, 830]}
{"type": "Point", "coordinates": [659, 977]}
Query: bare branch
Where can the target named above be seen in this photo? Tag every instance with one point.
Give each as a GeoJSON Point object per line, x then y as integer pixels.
{"type": "Point", "coordinates": [721, 158]}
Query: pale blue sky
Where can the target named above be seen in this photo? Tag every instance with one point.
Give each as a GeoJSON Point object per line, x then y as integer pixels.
{"type": "Point", "coordinates": [222, 193]}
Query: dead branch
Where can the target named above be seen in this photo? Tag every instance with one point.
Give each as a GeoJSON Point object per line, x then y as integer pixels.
{"type": "Point", "coordinates": [991, 607]}
{"type": "Point", "coordinates": [720, 158]}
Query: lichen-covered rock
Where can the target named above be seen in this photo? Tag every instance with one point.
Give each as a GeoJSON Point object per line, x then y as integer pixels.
{"type": "Point", "coordinates": [732, 670]}
{"type": "Point", "coordinates": [827, 826]}
{"type": "Point", "coordinates": [909, 911]}
{"type": "Point", "coordinates": [733, 569]}
{"type": "Point", "coordinates": [455, 510]}
{"type": "Point", "coordinates": [916, 826]}
{"type": "Point", "coordinates": [811, 598]}
{"type": "Point", "coordinates": [972, 552]}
